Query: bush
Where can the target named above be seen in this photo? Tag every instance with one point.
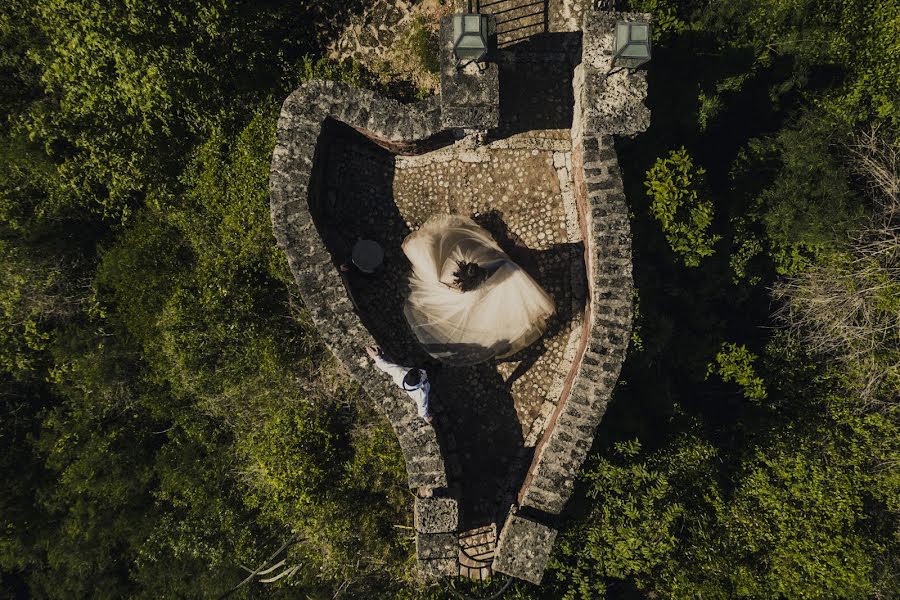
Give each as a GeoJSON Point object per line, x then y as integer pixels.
{"type": "Point", "coordinates": [423, 42]}
{"type": "Point", "coordinates": [674, 186]}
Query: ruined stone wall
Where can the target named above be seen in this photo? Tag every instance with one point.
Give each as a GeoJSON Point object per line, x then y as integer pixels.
{"type": "Point", "coordinates": [606, 103]}
{"type": "Point", "coordinates": [294, 198]}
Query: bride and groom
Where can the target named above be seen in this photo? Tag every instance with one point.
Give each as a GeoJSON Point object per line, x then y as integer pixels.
{"type": "Point", "coordinates": [468, 301]}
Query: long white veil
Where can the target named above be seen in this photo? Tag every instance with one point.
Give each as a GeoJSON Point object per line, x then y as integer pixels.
{"type": "Point", "coordinates": [506, 313]}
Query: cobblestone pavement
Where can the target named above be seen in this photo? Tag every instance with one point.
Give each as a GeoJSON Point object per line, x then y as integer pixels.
{"type": "Point", "coordinates": [518, 188]}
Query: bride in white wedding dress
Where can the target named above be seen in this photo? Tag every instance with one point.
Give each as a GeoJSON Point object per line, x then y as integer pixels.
{"type": "Point", "coordinates": [468, 300]}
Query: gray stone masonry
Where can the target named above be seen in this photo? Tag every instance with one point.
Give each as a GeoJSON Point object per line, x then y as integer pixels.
{"type": "Point", "coordinates": [437, 542]}
{"type": "Point", "coordinates": [434, 546]}
{"type": "Point", "coordinates": [438, 568]}
{"type": "Point", "coordinates": [604, 106]}
{"type": "Point", "coordinates": [524, 548]}
{"type": "Point", "coordinates": [436, 515]}
{"type": "Point", "coordinates": [298, 134]}
{"type": "Point", "coordinates": [438, 554]}
{"type": "Point", "coordinates": [613, 98]}
{"type": "Point", "coordinates": [470, 96]}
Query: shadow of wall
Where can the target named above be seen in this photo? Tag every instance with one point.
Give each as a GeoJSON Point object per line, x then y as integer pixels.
{"type": "Point", "coordinates": [536, 83]}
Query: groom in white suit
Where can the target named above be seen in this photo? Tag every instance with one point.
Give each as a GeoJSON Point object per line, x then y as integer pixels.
{"type": "Point", "coordinates": [411, 380]}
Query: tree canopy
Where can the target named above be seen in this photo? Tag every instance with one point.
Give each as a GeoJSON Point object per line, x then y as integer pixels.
{"type": "Point", "coordinates": [169, 416]}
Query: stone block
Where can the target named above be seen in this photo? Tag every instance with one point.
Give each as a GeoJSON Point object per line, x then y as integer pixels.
{"type": "Point", "coordinates": [603, 183]}
{"type": "Point", "coordinates": [429, 460]}
{"type": "Point", "coordinates": [435, 546]}
{"type": "Point", "coordinates": [569, 423]}
{"type": "Point", "coordinates": [524, 548]}
{"type": "Point", "coordinates": [613, 98]}
{"type": "Point", "coordinates": [436, 515]}
{"type": "Point", "coordinates": [588, 371]}
{"type": "Point", "coordinates": [590, 143]}
{"type": "Point", "coordinates": [469, 117]}
{"type": "Point", "coordinates": [434, 479]}
{"type": "Point", "coordinates": [439, 567]}
{"type": "Point", "coordinates": [548, 501]}
{"type": "Point", "coordinates": [582, 395]}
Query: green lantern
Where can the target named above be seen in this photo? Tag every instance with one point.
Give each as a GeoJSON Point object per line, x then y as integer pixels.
{"type": "Point", "coordinates": [632, 44]}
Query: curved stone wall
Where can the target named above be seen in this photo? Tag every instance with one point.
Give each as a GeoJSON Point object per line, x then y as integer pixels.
{"type": "Point", "coordinates": [294, 195]}
{"type": "Point", "coordinates": [606, 103]}
{"type": "Point", "coordinates": [603, 214]}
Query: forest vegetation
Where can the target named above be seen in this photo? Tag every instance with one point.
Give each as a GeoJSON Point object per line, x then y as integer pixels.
{"type": "Point", "coordinates": [169, 416]}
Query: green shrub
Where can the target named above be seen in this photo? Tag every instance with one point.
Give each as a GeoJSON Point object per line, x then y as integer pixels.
{"type": "Point", "coordinates": [674, 185]}
{"type": "Point", "coordinates": [424, 44]}
{"type": "Point", "coordinates": [637, 517]}
{"type": "Point", "coordinates": [292, 459]}
{"type": "Point", "coordinates": [708, 108]}
{"type": "Point", "coordinates": [746, 246]}
{"type": "Point", "coordinates": [347, 70]}
{"type": "Point", "coordinates": [665, 16]}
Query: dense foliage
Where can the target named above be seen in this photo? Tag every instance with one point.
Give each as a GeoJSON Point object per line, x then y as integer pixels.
{"type": "Point", "coordinates": [757, 461]}
{"type": "Point", "coordinates": [169, 416]}
{"type": "Point", "coordinates": [166, 402]}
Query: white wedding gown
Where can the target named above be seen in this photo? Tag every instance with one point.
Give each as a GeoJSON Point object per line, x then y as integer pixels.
{"type": "Point", "coordinates": [506, 313]}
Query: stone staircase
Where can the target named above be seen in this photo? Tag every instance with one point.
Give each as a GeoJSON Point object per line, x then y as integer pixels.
{"type": "Point", "coordinates": [517, 20]}
{"type": "Point", "coordinates": [476, 552]}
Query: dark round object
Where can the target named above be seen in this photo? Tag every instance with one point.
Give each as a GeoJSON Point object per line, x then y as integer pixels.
{"type": "Point", "coordinates": [367, 255]}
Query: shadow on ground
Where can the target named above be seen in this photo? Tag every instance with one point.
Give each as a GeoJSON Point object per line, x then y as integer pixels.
{"type": "Point", "coordinates": [536, 83]}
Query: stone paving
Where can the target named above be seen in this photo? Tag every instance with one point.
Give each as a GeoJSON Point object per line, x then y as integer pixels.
{"type": "Point", "coordinates": [519, 189]}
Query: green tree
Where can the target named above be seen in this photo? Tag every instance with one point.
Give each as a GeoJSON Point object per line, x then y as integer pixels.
{"type": "Point", "coordinates": [640, 505]}
{"type": "Point", "coordinates": [847, 306]}
{"type": "Point", "coordinates": [857, 37]}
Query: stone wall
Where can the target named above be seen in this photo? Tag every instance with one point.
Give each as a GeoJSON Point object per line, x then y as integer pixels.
{"type": "Point", "coordinates": [294, 188]}
{"type": "Point", "coordinates": [294, 198]}
{"type": "Point", "coordinates": [470, 94]}
{"type": "Point", "coordinates": [605, 104]}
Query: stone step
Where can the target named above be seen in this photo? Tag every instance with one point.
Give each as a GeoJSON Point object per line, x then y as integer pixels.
{"type": "Point", "coordinates": [476, 552]}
